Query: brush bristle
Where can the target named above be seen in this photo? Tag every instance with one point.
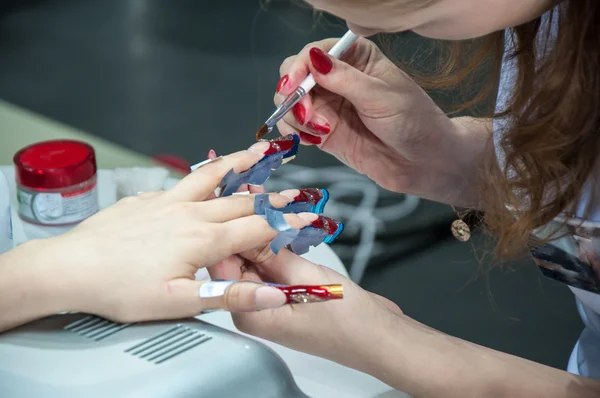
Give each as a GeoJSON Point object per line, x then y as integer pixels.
{"type": "Point", "coordinates": [264, 130]}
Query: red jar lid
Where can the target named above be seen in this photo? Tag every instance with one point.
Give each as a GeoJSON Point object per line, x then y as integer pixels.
{"type": "Point", "coordinates": [55, 164]}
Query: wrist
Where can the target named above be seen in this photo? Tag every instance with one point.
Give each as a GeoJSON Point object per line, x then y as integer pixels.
{"type": "Point", "coordinates": [31, 284]}
{"type": "Point", "coordinates": [454, 162]}
{"type": "Point", "coordinates": [48, 278]}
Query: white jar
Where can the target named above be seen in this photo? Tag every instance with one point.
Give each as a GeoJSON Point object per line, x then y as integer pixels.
{"type": "Point", "coordinates": [6, 239]}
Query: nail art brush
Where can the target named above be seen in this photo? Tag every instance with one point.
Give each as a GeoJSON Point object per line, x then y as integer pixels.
{"type": "Point", "coordinates": [337, 51]}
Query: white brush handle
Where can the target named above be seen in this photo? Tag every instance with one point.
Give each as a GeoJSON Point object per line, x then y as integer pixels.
{"type": "Point", "coordinates": [308, 83]}
{"type": "Point", "coordinates": [337, 51]}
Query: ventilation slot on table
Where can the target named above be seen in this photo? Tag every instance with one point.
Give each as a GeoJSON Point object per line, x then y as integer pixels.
{"type": "Point", "coordinates": [168, 344]}
{"type": "Point", "coordinates": [95, 328]}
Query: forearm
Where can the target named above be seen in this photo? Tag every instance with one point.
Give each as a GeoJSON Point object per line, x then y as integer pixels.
{"type": "Point", "coordinates": [426, 363]}
{"type": "Point", "coordinates": [30, 287]}
{"type": "Point", "coordinates": [453, 178]}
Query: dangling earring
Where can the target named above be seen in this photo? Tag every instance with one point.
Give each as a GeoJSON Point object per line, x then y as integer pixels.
{"type": "Point", "coordinates": [460, 229]}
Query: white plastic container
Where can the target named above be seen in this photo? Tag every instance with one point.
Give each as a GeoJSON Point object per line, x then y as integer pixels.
{"type": "Point", "coordinates": [6, 239]}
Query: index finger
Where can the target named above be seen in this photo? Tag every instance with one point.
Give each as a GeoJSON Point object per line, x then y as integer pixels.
{"type": "Point", "coordinates": [198, 185]}
{"type": "Point", "coordinates": [298, 68]}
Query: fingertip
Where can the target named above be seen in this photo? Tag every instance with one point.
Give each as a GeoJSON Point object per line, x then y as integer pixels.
{"type": "Point", "coordinates": [300, 220]}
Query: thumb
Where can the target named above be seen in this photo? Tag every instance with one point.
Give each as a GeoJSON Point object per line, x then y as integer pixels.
{"type": "Point", "coordinates": [239, 296]}
{"type": "Point", "coordinates": [343, 79]}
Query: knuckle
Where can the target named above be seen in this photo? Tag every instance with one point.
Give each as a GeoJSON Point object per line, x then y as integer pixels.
{"type": "Point", "coordinates": [233, 297]}
{"type": "Point", "coordinates": [149, 195]}
{"type": "Point", "coordinates": [128, 201]}
{"type": "Point", "coordinates": [179, 209]}
{"type": "Point", "coordinates": [285, 65]}
{"type": "Point", "coordinates": [262, 255]}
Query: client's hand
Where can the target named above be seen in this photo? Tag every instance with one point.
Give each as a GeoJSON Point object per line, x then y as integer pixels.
{"type": "Point", "coordinates": [136, 260]}
{"type": "Point", "coordinates": [335, 329]}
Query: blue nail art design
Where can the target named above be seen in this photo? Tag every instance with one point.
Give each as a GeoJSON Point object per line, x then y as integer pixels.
{"type": "Point", "coordinates": [322, 230]}
{"type": "Point", "coordinates": [281, 150]}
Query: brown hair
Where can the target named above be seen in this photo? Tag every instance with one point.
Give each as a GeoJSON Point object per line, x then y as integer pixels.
{"type": "Point", "coordinates": [553, 138]}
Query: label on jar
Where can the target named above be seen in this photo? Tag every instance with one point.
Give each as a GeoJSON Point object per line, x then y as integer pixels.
{"type": "Point", "coordinates": [58, 208]}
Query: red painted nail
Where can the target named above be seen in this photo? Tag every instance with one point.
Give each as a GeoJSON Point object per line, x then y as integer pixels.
{"type": "Point", "coordinates": [326, 224]}
{"type": "Point", "coordinates": [282, 82]}
{"type": "Point", "coordinates": [320, 60]}
{"type": "Point", "coordinates": [319, 128]}
{"type": "Point", "coordinates": [212, 154]}
{"type": "Point", "coordinates": [282, 144]}
{"type": "Point", "coordinates": [312, 195]}
{"type": "Point", "coordinates": [309, 294]}
{"type": "Point", "coordinates": [300, 113]}
{"type": "Point", "coordinates": [311, 139]}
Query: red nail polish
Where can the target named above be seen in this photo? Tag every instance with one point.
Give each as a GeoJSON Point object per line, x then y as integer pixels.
{"type": "Point", "coordinates": [310, 139]}
{"type": "Point", "coordinates": [212, 154]}
{"type": "Point", "coordinates": [282, 144]}
{"type": "Point", "coordinates": [282, 82]}
{"type": "Point", "coordinates": [300, 113]}
{"type": "Point", "coordinates": [320, 60]}
{"type": "Point", "coordinates": [326, 224]}
{"type": "Point", "coordinates": [319, 128]}
{"type": "Point", "coordinates": [311, 294]}
{"type": "Point", "coordinates": [312, 195]}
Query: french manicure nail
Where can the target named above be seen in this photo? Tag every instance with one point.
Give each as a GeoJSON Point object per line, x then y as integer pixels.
{"type": "Point", "coordinates": [282, 82]}
{"type": "Point", "coordinates": [300, 113]}
{"type": "Point", "coordinates": [266, 297]}
{"type": "Point", "coordinates": [260, 147]}
{"type": "Point", "coordinates": [311, 139]}
{"type": "Point", "coordinates": [318, 128]}
{"type": "Point", "coordinates": [320, 60]}
{"type": "Point", "coordinates": [310, 218]}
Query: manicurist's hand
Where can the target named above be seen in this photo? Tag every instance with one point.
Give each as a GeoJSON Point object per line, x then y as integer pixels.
{"type": "Point", "coordinates": [373, 117]}
{"type": "Point", "coordinates": [136, 260]}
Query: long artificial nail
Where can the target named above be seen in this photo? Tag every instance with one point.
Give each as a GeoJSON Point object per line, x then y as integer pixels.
{"type": "Point", "coordinates": [282, 82]}
{"type": "Point", "coordinates": [260, 147]}
{"type": "Point", "coordinates": [311, 139]}
{"type": "Point", "coordinates": [311, 200]}
{"type": "Point", "coordinates": [266, 297]}
{"type": "Point", "coordinates": [318, 128]}
{"type": "Point", "coordinates": [212, 154]}
{"type": "Point", "coordinates": [320, 60]}
{"type": "Point", "coordinates": [269, 295]}
{"type": "Point", "coordinates": [310, 218]}
{"type": "Point", "coordinates": [329, 225]}
{"type": "Point", "coordinates": [274, 153]}
{"type": "Point", "coordinates": [300, 113]}
{"type": "Point", "coordinates": [288, 143]}
{"type": "Point", "coordinates": [311, 293]}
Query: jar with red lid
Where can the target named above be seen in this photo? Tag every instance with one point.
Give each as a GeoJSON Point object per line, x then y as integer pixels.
{"type": "Point", "coordinates": [56, 182]}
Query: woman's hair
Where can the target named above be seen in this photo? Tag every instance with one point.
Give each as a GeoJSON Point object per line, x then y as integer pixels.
{"type": "Point", "coordinates": [553, 134]}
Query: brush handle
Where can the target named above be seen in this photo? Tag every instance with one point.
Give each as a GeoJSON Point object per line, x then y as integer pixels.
{"type": "Point", "coordinates": [307, 84]}
{"type": "Point", "coordinates": [337, 51]}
